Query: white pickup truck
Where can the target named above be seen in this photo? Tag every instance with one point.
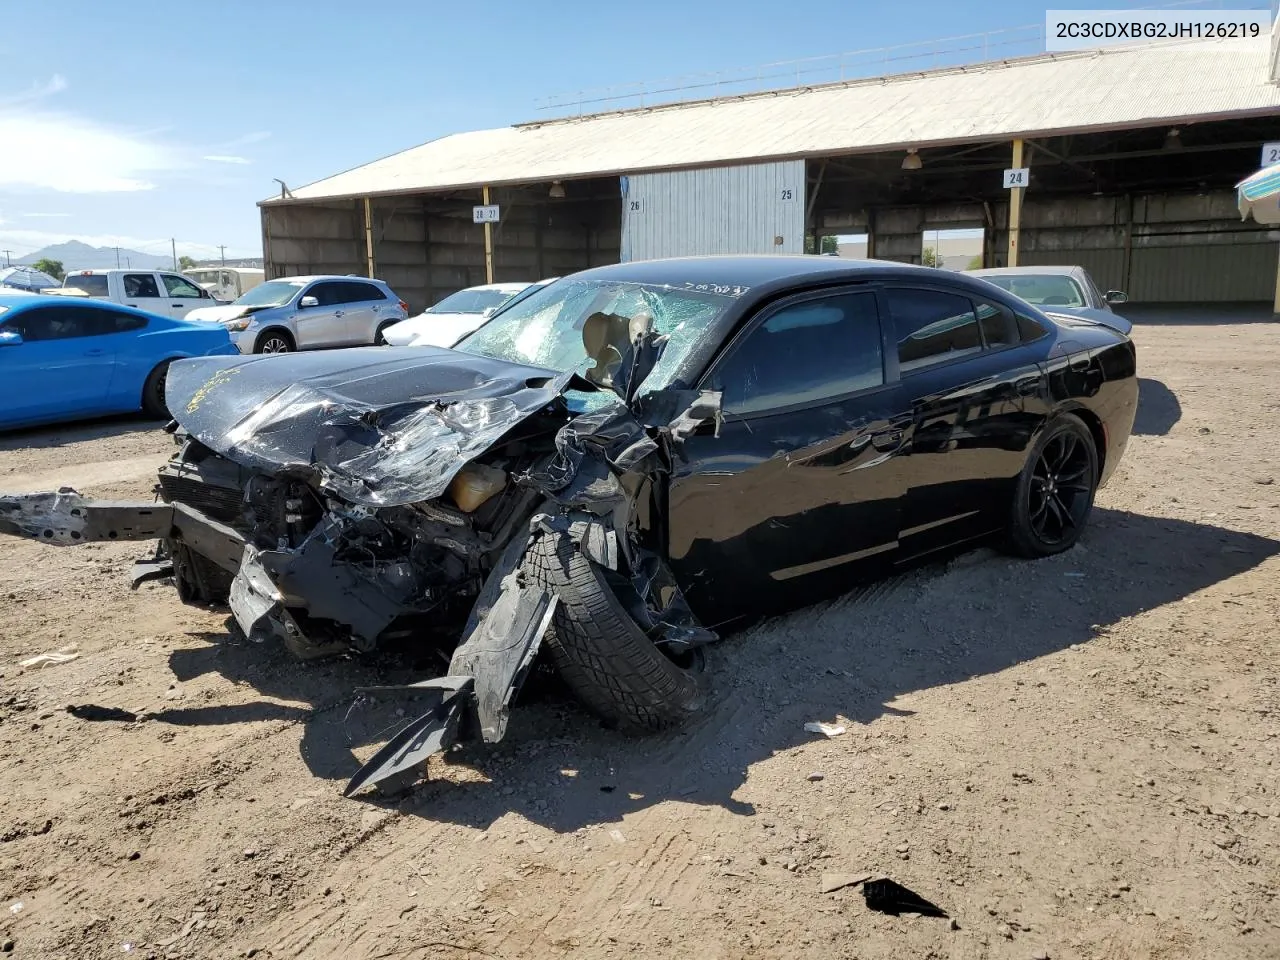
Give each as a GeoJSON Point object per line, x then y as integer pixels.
{"type": "Point", "coordinates": [155, 291]}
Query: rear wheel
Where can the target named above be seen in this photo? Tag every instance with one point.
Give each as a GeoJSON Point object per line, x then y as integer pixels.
{"type": "Point", "coordinates": [1055, 490]}
{"type": "Point", "coordinates": [379, 338]}
{"type": "Point", "coordinates": [274, 341]}
{"type": "Point", "coordinates": [602, 653]}
{"type": "Point", "coordinates": [153, 403]}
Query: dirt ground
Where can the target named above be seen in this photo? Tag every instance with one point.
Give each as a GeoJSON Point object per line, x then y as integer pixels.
{"type": "Point", "coordinates": [1074, 758]}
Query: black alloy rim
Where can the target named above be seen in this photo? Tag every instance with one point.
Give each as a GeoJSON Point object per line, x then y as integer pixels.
{"type": "Point", "coordinates": [1061, 483]}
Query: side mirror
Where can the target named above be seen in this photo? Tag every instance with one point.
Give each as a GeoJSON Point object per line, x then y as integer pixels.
{"type": "Point", "coordinates": [1116, 296]}
{"type": "Point", "coordinates": [10, 338]}
{"type": "Point", "coordinates": [306, 303]}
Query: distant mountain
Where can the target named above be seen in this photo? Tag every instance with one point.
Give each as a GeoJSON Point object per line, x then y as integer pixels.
{"type": "Point", "coordinates": [75, 255]}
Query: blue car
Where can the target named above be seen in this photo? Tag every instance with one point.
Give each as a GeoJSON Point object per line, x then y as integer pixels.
{"type": "Point", "coordinates": [62, 359]}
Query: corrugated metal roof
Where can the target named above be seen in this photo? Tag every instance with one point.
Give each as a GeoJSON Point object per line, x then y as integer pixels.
{"type": "Point", "coordinates": [1114, 88]}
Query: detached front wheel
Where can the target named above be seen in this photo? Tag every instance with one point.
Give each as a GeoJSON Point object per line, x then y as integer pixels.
{"type": "Point", "coordinates": [1055, 491]}
{"type": "Point", "coordinates": [601, 653]}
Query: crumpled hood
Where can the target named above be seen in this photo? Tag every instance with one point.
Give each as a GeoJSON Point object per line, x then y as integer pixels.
{"type": "Point", "coordinates": [217, 314]}
{"type": "Point", "coordinates": [378, 426]}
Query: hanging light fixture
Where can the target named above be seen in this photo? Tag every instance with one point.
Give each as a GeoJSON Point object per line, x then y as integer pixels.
{"type": "Point", "coordinates": [557, 190]}
{"type": "Point", "coordinates": [1173, 139]}
{"type": "Point", "coordinates": [912, 160]}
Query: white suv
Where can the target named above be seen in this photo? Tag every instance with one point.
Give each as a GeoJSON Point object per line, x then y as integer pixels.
{"type": "Point", "coordinates": [301, 313]}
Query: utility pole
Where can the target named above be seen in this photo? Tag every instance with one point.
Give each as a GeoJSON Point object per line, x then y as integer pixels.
{"type": "Point", "coordinates": [6, 258]}
{"type": "Point", "coordinates": [117, 258]}
{"type": "Point", "coordinates": [173, 245]}
{"type": "Point", "coordinates": [222, 251]}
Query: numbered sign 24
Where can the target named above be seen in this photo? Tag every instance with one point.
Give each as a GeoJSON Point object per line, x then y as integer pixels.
{"type": "Point", "coordinates": [1016, 177]}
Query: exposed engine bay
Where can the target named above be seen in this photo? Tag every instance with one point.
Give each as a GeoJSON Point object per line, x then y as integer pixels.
{"type": "Point", "coordinates": [331, 514]}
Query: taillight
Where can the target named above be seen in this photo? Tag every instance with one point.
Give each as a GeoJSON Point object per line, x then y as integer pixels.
{"type": "Point", "coordinates": [404, 306]}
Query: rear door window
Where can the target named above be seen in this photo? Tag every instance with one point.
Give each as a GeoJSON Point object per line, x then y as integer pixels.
{"type": "Point", "coordinates": [140, 285]}
{"type": "Point", "coordinates": [805, 351]}
{"type": "Point", "coordinates": [353, 291]}
{"type": "Point", "coordinates": [999, 328]}
{"type": "Point", "coordinates": [931, 327]}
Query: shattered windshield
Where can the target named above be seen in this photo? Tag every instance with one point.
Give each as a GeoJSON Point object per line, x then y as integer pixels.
{"type": "Point", "coordinates": [546, 329]}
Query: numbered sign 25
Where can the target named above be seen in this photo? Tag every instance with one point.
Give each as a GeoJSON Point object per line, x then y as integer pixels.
{"type": "Point", "coordinates": [1016, 177]}
{"type": "Point", "coordinates": [786, 195]}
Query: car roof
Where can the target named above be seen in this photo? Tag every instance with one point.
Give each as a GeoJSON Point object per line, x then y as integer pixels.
{"type": "Point", "coordinates": [1047, 271]}
{"type": "Point", "coordinates": [322, 276]}
{"type": "Point", "coordinates": [501, 286]}
{"type": "Point", "coordinates": [28, 301]}
{"type": "Point", "coordinates": [749, 271]}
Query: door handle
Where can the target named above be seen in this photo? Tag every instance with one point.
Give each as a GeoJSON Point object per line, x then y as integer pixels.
{"type": "Point", "coordinates": [178, 305]}
{"type": "Point", "coordinates": [1027, 386]}
{"type": "Point", "coordinates": [130, 304]}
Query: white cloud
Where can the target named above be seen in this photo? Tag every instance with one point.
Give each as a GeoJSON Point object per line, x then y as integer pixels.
{"type": "Point", "coordinates": [57, 151]}
{"type": "Point", "coordinates": [223, 158]}
{"type": "Point", "coordinates": [57, 83]}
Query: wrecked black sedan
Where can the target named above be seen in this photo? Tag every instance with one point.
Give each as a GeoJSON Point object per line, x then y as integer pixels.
{"type": "Point", "coordinates": [626, 463]}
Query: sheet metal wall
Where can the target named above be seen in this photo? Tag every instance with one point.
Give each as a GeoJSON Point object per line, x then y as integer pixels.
{"type": "Point", "coordinates": [428, 247]}
{"type": "Point", "coordinates": [741, 209]}
{"type": "Point", "coordinates": [1171, 248]}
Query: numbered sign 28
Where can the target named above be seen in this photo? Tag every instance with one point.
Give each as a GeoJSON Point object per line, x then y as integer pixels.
{"type": "Point", "coordinates": [485, 214]}
{"type": "Point", "coordinates": [1016, 177]}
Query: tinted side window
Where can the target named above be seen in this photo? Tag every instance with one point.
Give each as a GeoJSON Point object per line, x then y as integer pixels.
{"type": "Point", "coordinates": [361, 292]}
{"type": "Point", "coordinates": [101, 322]}
{"type": "Point", "coordinates": [806, 351]}
{"type": "Point", "coordinates": [51, 323]}
{"type": "Point", "coordinates": [1029, 328]}
{"type": "Point", "coordinates": [328, 294]}
{"type": "Point", "coordinates": [140, 285]}
{"type": "Point", "coordinates": [999, 328]}
{"type": "Point", "coordinates": [932, 327]}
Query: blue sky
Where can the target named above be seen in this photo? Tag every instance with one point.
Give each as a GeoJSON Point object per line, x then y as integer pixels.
{"type": "Point", "coordinates": [133, 122]}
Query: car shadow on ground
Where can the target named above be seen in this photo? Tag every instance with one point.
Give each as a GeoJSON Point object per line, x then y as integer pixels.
{"type": "Point", "coordinates": [1158, 409]}
{"type": "Point", "coordinates": [61, 435]}
{"type": "Point", "coordinates": [854, 657]}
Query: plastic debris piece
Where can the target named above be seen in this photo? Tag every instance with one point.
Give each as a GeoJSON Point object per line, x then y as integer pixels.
{"type": "Point", "coordinates": [888, 896]}
{"type": "Point", "coordinates": [826, 729]}
{"type": "Point", "coordinates": [42, 660]}
{"type": "Point", "coordinates": [831, 882]}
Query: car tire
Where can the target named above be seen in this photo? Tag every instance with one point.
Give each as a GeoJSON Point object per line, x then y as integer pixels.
{"type": "Point", "coordinates": [275, 340]}
{"type": "Point", "coordinates": [153, 403]}
{"type": "Point", "coordinates": [601, 653]}
{"type": "Point", "coordinates": [379, 340]}
{"type": "Point", "coordinates": [1055, 490]}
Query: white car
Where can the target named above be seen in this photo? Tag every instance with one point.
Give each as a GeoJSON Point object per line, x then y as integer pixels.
{"type": "Point", "coordinates": [155, 291]}
{"type": "Point", "coordinates": [457, 315]}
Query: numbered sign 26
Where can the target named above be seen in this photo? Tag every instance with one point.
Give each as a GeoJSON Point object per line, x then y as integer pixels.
{"type": "Point", "coordinates": [1016, 177]}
